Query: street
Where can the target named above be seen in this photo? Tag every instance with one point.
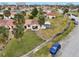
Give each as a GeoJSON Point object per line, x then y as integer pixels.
{"type": "Point", "coordinates": [70, 45]}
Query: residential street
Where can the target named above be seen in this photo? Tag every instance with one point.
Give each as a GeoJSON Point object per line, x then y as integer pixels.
{"type": "Point", "coordinates": [70, 45]}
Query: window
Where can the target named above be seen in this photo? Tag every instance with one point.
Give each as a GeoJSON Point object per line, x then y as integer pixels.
{"type": "Point", "coordinates": [25, 27]}
{"type": "Point", "coordinates": [28, 25]}
{"type": "Point", "coordinates": [35, 27]}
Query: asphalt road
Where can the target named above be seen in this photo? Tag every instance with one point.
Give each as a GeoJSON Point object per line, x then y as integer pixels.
{"type": "Point", "coordinates": [70, 45]}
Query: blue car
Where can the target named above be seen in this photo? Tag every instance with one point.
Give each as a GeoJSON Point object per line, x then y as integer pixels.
{"type": "Point", "coordinates": [55, 48]}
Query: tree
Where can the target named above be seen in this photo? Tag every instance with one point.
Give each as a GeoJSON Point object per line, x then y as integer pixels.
{"type": "Point", "coordinates": [19, 19]}
{"type": "Point", "coordinates": [40, 11]}
{"type": "Point", "coordinates": [4, 33]}
{"type": "Point", "coordinates": [23, 13]}
{"type": "Point", "coordinates": [65, 11]}
{"type": "Point", "coordinates": [9, 9]}
{"type": "Point", "coordinates": [34, 12]}
{"type": "Point", "coordinates": [1, 16]}
{"type": "Point", "coordinates": [7, 13]}
{"type": "Point", "coordinates": [18, 31]}
{"type": "Point", "coordinates": [78, 10]}
{"type": "Point", "coordinates": [41, 19]}
{"type": "Point", "coordinates": [31, 17]}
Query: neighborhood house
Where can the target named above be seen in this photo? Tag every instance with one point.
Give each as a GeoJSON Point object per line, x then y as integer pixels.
{"type": "Point", "coordinates": [50, 15]}
{"type": "Point", "coordinates": [7, 23]}
{"type": "Point", "coordinates": [32, 24]}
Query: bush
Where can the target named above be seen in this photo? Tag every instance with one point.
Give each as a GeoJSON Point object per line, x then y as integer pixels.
{"type": "Point", "coordinates": [31, 17]}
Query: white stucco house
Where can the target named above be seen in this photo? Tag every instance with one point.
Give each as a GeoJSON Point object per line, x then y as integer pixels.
{"type": "Point", "coordinates": [50, 15]}
{"type": "Point", "coordinates": [31, 24]}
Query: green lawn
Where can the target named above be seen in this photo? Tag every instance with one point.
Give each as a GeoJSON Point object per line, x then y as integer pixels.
{"type": "Point", "coordinates": [58, 25]}
{"type": "Point", "coordinates": [74, 12]}
{"type": "Point", "coordinates": [44, 52]}
{"type": "Point", "coordinates": [15, 48]}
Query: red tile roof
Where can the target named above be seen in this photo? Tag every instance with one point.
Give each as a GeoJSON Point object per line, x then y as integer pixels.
{"type": "Point", "coordinates": [10, 22]}
{"type": "Point", "coordinates": [30, 22]}
{"type": "Point", "coordinates": [52, 13]}
{"type": "Point", "coordinates": [6, 22]}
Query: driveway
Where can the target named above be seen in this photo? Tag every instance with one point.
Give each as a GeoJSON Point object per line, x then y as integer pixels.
{"type": "Point", "coordinates": [70, 45]}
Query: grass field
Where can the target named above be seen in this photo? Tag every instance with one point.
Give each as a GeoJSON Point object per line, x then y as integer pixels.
{"type": "Point", "coordinates": [44, 52]}
{"type": "Point", "coordinates": [15, 48]}
{"type": "Point", "coordinates": [58, 25]}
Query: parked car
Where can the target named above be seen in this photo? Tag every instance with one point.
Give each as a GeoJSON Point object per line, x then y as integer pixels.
{"type": "Point", "coordinates": [55, 48]}
{"type": "Point", "coordinates": [76, 22]}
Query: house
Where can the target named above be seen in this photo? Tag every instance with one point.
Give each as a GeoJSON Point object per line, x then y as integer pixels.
{"type": "Point", "coordinates": [32, 24]}
{"type": "Point", "coordinates": [7, 18]}
{"type": "Point", "coordinates": [7, 23]}
{"type": "Point", "coordinates": [74, 9]}
{"type": "Point", "coordinates": [50, 15]}
{"type": "Point", "coordinates": [13, 13]}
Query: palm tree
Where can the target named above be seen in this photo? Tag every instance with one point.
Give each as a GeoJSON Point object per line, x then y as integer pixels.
{"type": "Point", "coordinates": [4, 33]}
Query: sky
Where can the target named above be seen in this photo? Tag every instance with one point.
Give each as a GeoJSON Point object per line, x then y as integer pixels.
{"type": "Point", "coordinates": [43, 3]}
